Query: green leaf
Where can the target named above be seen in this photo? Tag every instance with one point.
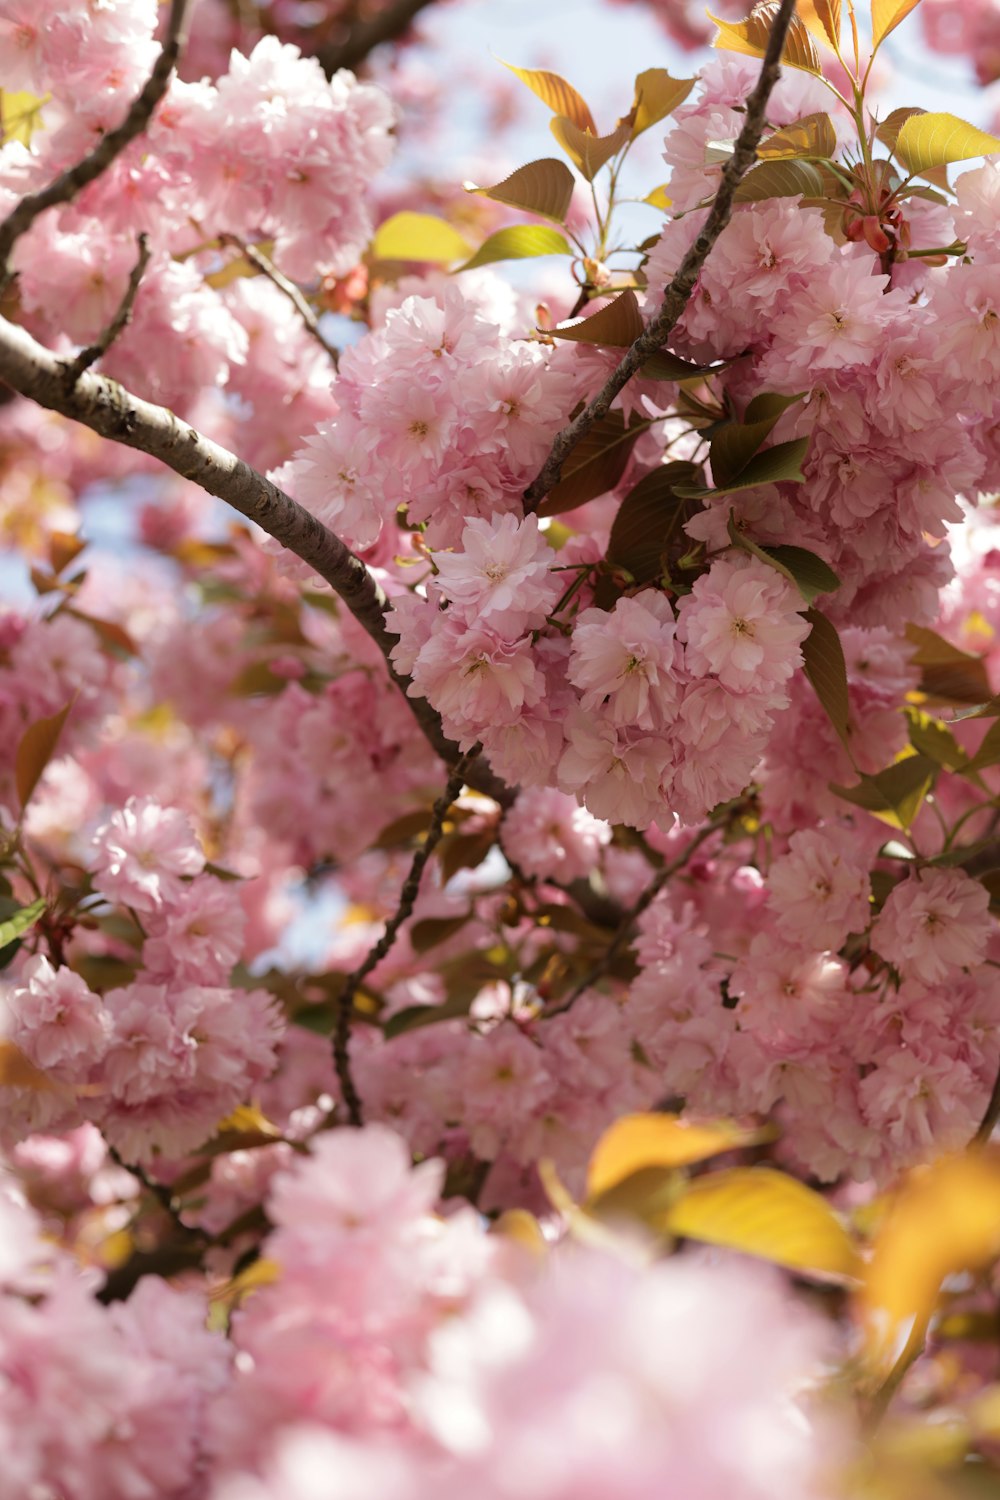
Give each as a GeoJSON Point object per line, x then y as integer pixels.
{"type": "Point", "coordinates": [656, 96]}
{"type": "Point", "coordinates": [666, 366]}
{"type": "Point", "coordinates": [947, 674]}
{"type": "Point", "coordinates": [595, 466]}
{"type": "Point", "coordinates": [34, 752]}
{"type": "Point", "coordinates": [810, 573]}
{"type": "Point", "coordinates": [750, 37]}
{"type": "Point", "coordinates": [20, 921]}
{"type": "Point", "coordinates": [760, 1211]}
{"type": "Point", "coordinates": [518, 242]}
{"type": "Point", "coordinates": [813, 135]}
{"type": "Point", "coordinates": [589, 153]}
{"type": "Point", "coordinates": [649, 517]}
{"type": "Point", "coordinates": [896, 794]}
{"type": "Point", "coordinates": [434, 930]}
{"type": "Point", "coordinates": [420, 237]}
{"type": "Point", "coordinates": [934, 739]}
{"type": "Point", "coordinates": [780, 179]}
{"type": "Point", "coordinates": [936, 140]}
{"type": "Point", "coordinates": [616, 326]}
{"type": "Point", "coordinates": [413, 1017]}
{"type": "Point", "coordinates": [561, 97]}
{"type": "Point", "coordinates": [886, 16]}
{"type": "Point", "coordinates": [781, 464]}
{"type": "Point", "coordinates": [988, 753]}
{"type": "Point", "coordinates": [735, 444]}
{"type": "Point", "coordinates": [542, 187]}
{"type": "Point", "coordinates": [824, 665]}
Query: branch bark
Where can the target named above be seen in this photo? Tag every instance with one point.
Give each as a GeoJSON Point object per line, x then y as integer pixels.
{"type": "Point", "coordinates": [108, 409]}
{"type": "Point", "coordinates": [364, 36]}
{"type": "Point", "coordinates": [678, 293]}
{"type": "Point", "coordinates": [71, 182]}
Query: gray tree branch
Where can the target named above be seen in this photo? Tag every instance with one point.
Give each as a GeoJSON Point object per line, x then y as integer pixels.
{"type": "Point", "coordinates": [108, 409]}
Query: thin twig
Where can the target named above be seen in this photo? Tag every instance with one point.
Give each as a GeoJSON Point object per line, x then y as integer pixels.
{"type": "Point", "coordinates": [72, 182]}
{"type": "Point", "coordinates": [159, 1190]}
{"type": "Point", "coordinates": [364, 36]}
{"type": "Point", "coordinates": [678, 293]}
{"type": "Point", "coordinates": [631, 917]}
{"type": "Point", "coordinates": [266, 266]}
{"type": "Point", "coordinates": [107, 408]}
{"type": "Point", "coordinates": [122, 318]}
{"type": "Point", "coordinates": [404, 910]}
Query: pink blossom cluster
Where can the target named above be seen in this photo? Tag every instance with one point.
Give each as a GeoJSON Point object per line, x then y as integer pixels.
{"type": "Point", "coordinates": [440, 413]}
{"type": "Point", "coordinates": [159, 1062]}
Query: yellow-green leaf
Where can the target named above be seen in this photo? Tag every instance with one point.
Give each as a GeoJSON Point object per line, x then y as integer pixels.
{"type": "Point", "coordinates": [34, 752]}
{"type": "Point", "coordinates": [656, 96]}
{"type": "Point", "coordinates": [636, 1142]}
{"type": "Point", "coordinates": [762, 1212]}
{"type": "Point", "coordinates": [542, 187]}
{"type": "Point", "coordinates": [886, 16]}
{"type": "Point", "coordinates": [888, 131]}
{"type": "Point", "coordinates": [659, 198]}
{"type": "Point", "coordinates": [936, 140]}
{"type": "Point", "coordinates": [750, 37]}
{"type": "Point", "coordinates": [19, 114]}
{"type": "Point", "coordinates": [615, 326]}
{"type": "Point", "coordinates": [946, 672]}
{"type": "Point", "coordinates": [420, 237]}
{"type": "Point", "coordinates": [20, 921]}
{"type": "Point", "coordinates": [518, 242]}
{"type": "Point", "coordinates": [588, 152]}
{"type": "Point", "coordinates": [561, 97]}
{"type": "Point", "coordinates": [17, 1071]}
{"type": "Point", "coordinates": [896, 794]}
{"type": "Point", "coordinates": [780, 179]}
{"type": "Point", "coordinates": [813, 135]}
{"type": "Point", "coordinates": [945, 1219]}
{"type": "Point", "coordinates": [822, 18]}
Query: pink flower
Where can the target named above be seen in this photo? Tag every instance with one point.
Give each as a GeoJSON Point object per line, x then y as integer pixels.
{"type": "Point", "coordinates": [627, 662]}
{"type": "Point", "coordinates": [820, 888]}
{"type": "Point", "coordinates": [501, 574]}
{"type": "Point", "coordinates": [551, 836]}
{"type": "Point", "coordinates": [933, 924]}
{"type": "Point", "coordinates": [741, 622]}
{"type": "Point", "coordinates": [142, 852]}
{"type": "Point", "coordinates": [838, 318]}
{"type": "Point", "coordinates": [57, 1020]}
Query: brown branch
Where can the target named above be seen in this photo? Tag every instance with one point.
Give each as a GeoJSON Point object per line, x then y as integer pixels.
{"type": "Point", "coordinates": [678, 293]}
{"type": "Point", "coordinates": [631, 917]}
{"type": "Point", "coordinates": [404, 910]}
{"type": "Point", "coordinates": [122, 318]}
{"type": "Point", "coordinates": [71, 182]}
{"type": "Point", "coordinates": [267, 267]}
{"type": "Point", "coordinates": [364, 36]}
{"type": "Point", "coordinates": [108, 409]}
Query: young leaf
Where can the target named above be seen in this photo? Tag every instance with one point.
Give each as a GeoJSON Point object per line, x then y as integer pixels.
{"type": "Point", "coordinates": [935, 140]}
{"type": "Point", "coordinates": [934, 739]}
{"type": "Point", "coordinates": [762, 1212]}
{"type": "Point", "coordinates": [886, 16]}
{"type": "Point", "coordinates": [616, 326]}
{"type": "Point", "coordinates": [824, 665]}
{"type": "Point", "coordinates": [635, 1142]}
{"type": "Point", "coordinates": [19, 115]}
{"type": "Point", "coordinates": [948, 674]}
{"type": "Point", "coordinates": [594, 467]}
{"type": "Point", "coordinates": [413, 1017]}
{"type": "Point", "coordinates": [651, 514]}
{"type": "Point", "coordinates": [822, 18]}
{"type": "Point", "coordinates": [656, 96]}
{"type": "Point", "coordinates": [542, 187]}
{"type": "Point", "coordinates": [20, 921]}
{"type": "Point", "coordinates": [813, 135]}
{"type": "Point", "coordinates": [561, 97]}
{"type": "Point", "coordinates": [519, 242]}
{"type": "Point", "coordinates": [735, 444]}
{"type": "Point", "coordinates": [420, 237]}
{"type": "Point", "coordinates": [659, 198]}
{"type": "Point", "coordinates": [780, 179]}
{"type": "Point", "coordinates": [810, 573]}
{"type": "Point", "coordinates": [587, 152]}
{"type": "Point", "coordinates": [888, 131]}
{"type": "Point", "coordinates": [896, 794]}
{"type": "Point", "coordinates": [781, 464]}
{"type": "Point", "coordinates": [666, 366]}
{"type": "Point", "coordinates": [433, 930]}
{"type": "Point", "coordinates": [34, 752]}
{"type": "Point", "coordinates": [750, 37]}
{"type": "Point", "coordinates": [988, 753]}
{"type": "Point", "coordinates": [17, 1071]}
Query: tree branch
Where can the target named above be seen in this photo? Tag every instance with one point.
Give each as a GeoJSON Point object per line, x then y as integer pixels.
{"type": "Point", "coordinates": [364, 36]}
{"type": "Point", "coordinates": [71, 182]}
{"type": "Point", "coordinates": [93, 352]}
{"type": "Point", "coordinates": [269, 269]}
{"type": "Point", "coordinates": [107, 408]}
{"type": "Point", "coordinates": [404, 910]}
{"type": "Point", "coordinates": [678, 293]}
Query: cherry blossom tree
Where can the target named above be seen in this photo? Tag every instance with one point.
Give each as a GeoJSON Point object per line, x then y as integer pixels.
{"type": "Point", "coordinates": [500, 782]}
